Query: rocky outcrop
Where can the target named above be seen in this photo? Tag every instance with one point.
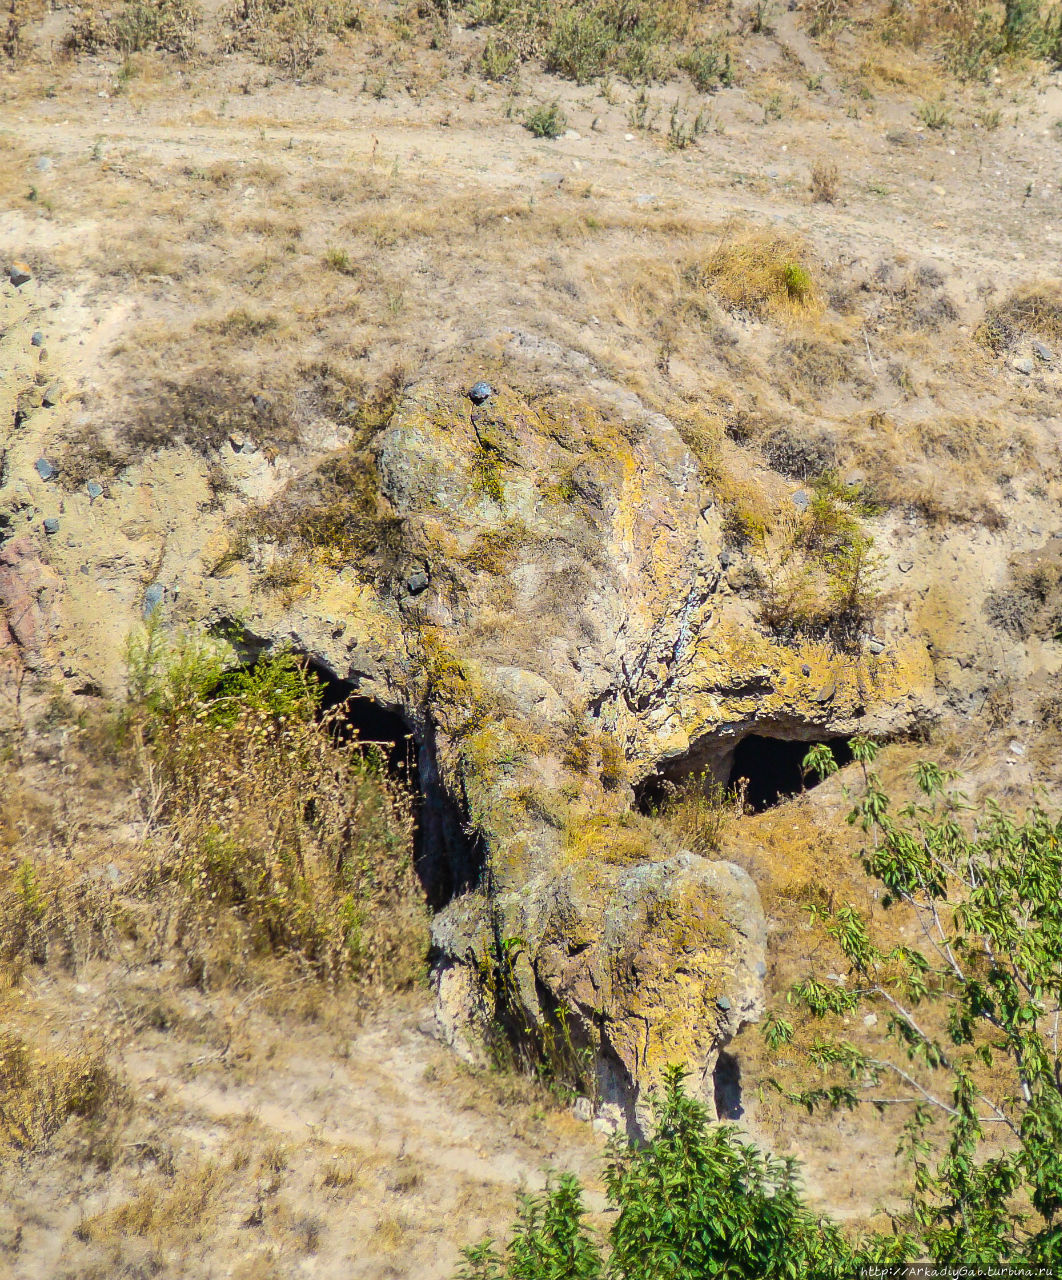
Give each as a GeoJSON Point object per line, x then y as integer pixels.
{"type": "Point", "coordinates": [546, 587]}
{"type": "Point", "coordinates": [628, 969]}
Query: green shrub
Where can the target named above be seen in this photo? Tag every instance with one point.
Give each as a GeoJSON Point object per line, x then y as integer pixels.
{"type": "Point", "coordinates": [694, 1201]}
{"type": "Point", "coordinates": [797, 281]}
{"type": "Point", "coordinates": [934, 115]}
{"type": "Point", "coordinates": [139, 25]}
{"type": "Point", "coordinates": [708, 66]}
{"type": "Point", "coordinates": [682, 131]}
{"type": "Point", "coordinates": [974, 1017]}
{"type": "Point", "coordinates": [817, 570]}
{"type": "Point", "coordinates": [973, 1014]}
{"type": "Point", "coordinates": [339, 260]}
{"type": "Point", "coordinates": [546, 121]}
{"type": "Point", "coordinates": [498, 59]}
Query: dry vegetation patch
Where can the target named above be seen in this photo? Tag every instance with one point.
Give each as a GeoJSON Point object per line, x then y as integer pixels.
{"type": "Point", "coordinates": [761, 273]}
{"type": "Point", "coordinates": [1035, 310]}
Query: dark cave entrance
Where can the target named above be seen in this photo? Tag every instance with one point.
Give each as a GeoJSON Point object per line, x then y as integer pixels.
{"type": "Point", "coordinates": [770, 769]}
{"type": "Point", "coordinates": [448, 861]}
{"type": "Point", "coordinates": [726, 1087]}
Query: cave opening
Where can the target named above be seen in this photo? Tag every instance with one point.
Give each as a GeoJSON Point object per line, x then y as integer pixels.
{"type": "Point", "coordinates": [447, 859]}
{"type": "Point", "coordinates": [771, 769]}
{"type": "Point", "coordinates": [726, 1087]}
{"type": "Point", "coordinates": [768, 770]}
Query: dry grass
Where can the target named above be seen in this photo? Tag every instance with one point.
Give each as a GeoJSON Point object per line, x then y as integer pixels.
{"type": "Point", "coordinates": [930, 466]}
{"type": "Point", "coordinates": [185, 1210]}
{"type": "Point", "coordinates": [825, 182]}
{"type": "Point", "coordinates": [698, 812]}
{"type": "Point", "coordinates": [762, 273]}
{"type": "Point", "coordinates": [268, 838]}
{"type": "Point", "coordinates": [1034, 310]}
{"type": "Point", "coordinates": [1031, 605]}
{"type": "Point", "coordinates": [42, 1087]}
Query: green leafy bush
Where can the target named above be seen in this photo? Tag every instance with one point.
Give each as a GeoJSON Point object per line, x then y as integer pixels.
{"type": "Point", "coordinates": [546, 121]}
{"type": "Point", "coordinates": [974, 1012]}
{"type": "Point", "coordinates": [694, 1201]}
{"type": "Point", "coordinates": [707, 65]}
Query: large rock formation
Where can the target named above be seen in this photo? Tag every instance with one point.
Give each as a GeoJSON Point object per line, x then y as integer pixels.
{"type": "Point", "coordinates": [547, 590]}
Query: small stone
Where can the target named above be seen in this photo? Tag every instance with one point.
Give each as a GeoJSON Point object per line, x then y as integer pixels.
{"type": "Point", "coordinates": [905, 566]}
{"type": "Point", "coordinates": [152, 598]}
{"type": "Point", "coordinates": [44, 163]}
{"type": "Point", "coordinates": [480, 392]}
{"type": "Point", "coordinates": [1016, 748]}
{"type": "Point", "coordinates": [249, 446]}
{"type": "Point", "coordinates": [19, 274]}
{"type": "Point", "coordinates": [51, 396]}
{"type": "Point", "coordinates": [94, 490]}
{"type": "Point", "coordinates": [800, 500]}
{"type": "Point", "coordinates": [417, 582]}
{"type": "Point", "coordinates": [45, 469]}
{"type": "Point", "coordinates": [1023, 365]}
{"type": "Point", "coordinates": [1042, 353]}
{"type": "Point", "coordinates": [51, 525]}
{"type": "Point", "coordinates": [805, 670]}
{"type": "Point", "coordinates": [261, 404]}
{"type": "Point", "coordinates": [723, 1003]}
{"type": "Point", "coordinates": [583, 1110]}
{"type": "Point", "coordinates": [38, 339]}
{"type": "Point", "coordinates": [726, 558]}
{"type": "Point", "coordinates": [875, 646]}
{"type": "Point", "coordinates": [871, 1020]}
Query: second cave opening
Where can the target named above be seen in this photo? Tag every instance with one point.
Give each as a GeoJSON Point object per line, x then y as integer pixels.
{"type": "Point", "coordinates": [770, 769]}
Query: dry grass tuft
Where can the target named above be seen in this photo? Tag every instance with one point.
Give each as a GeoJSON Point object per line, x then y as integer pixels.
{"type": "Point", "coordinates": [1032, 604]}
{"type": "Point", "coordinates": [825, 182]}
{"type": "Point", "coordinates": [266, 836]}
{"type": "Point", "coordinates": [185, 1210]}
{"type": "Point", "coordinates": [761, 273]}
{"type": "Point", "coordinates": [1035, 310]}
{"type": "Point", "coordinates": [697, 813]}
{"type": "Point", "coordinates": [290, 34]}
{"type": "Point", "coordinates": [302, 840]}
{"type": "Point", "coordinates": [41, 1088]}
